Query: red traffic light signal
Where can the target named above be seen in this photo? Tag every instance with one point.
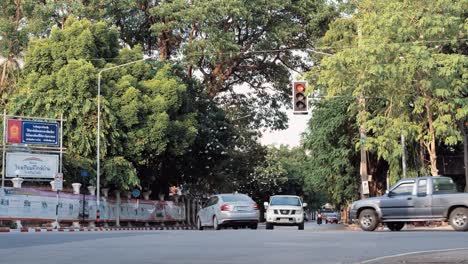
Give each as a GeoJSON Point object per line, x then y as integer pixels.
{"type": "Point", "coordinates": [300, 88]}
{"type": "Point", "coordinates": [300, 104]}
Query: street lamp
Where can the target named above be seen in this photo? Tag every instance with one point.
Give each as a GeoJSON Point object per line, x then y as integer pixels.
{"type": "Point", "coordinates": [98, 155]}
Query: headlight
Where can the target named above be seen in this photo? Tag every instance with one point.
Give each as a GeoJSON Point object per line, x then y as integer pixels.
{"type": "Point", "coordinates": [299, 212]}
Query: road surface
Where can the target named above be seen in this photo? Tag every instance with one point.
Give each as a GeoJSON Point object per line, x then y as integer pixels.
{"type": "Point", "coordinates": [315, 244]}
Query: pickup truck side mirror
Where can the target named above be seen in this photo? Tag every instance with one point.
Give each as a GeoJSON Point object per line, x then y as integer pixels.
{"type": "Point", "coordinates": [265, 204]}
{"type": "Point", "coordinates": [304, 205]}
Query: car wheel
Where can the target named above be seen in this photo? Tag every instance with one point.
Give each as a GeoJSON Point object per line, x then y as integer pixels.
{"type": "Point", "coordinates": [300, 226]}
{"type": "Point", "coordinates": [397, 226]}
{"type": "Point", "coordinates": [199, 224]}
{"type": "Point", "coordinates": [269, 226]}
{"type": "Point", "coordinates": [253, 226]}
{"type": "Point", "coordinates": [368, 220]}
{"type": "Point", "coordinates": [216, 225]}
{"type": "Point", "coordinates": [459, 219]}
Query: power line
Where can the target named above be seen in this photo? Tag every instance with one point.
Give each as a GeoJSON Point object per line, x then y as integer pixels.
{"type": "Point", "coordinates": [318, 50]}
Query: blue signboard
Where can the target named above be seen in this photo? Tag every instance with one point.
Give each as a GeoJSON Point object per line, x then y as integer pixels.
{"type": "Point", "coordinates": [84, 173]}
{"type": "Point", "coordinates": [135, 193]}
{"type": "Point", "coordinates": [39, 133]}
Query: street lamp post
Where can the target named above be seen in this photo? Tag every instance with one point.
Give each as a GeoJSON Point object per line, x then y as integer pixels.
{"type": "Point", "coordinates": [98, 155]}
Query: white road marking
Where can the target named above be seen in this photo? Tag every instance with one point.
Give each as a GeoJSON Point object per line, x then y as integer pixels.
{"type": "Point", "coordinates": [412, 253]}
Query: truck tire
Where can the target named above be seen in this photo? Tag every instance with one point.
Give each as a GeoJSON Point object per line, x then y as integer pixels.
{"type": "Point", "coordinates": [269, 226]}
{"type": "Point", "coordinates": [395, 226]}
{"type": "Point", "coordinates": [368, 220]}
{"type": "Point", "coordinates": [253, 226]}
{"type": "Point", "coordinates": [459, 219]}
{"type": "Point", "coordinates": [300, 226]}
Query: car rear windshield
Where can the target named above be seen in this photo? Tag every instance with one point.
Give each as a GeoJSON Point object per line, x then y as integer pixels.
{"type": "Point", "coordinates": [229, 198]}
{"type": "Point", "coordinates": [444, 185]}
{"type": "Point", "coordinates": [285, 201]}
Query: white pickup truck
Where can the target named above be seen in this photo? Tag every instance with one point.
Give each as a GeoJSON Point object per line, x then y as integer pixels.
{"type": "Point", "coordinates": [285, 210]}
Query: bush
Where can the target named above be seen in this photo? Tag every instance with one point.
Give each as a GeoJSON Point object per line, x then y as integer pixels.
{"type": "Point", "coordinates": [8, 224]}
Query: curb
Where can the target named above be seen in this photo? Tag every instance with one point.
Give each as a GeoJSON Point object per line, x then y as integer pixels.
{"type": "Point", "coordinates": [96, 229]}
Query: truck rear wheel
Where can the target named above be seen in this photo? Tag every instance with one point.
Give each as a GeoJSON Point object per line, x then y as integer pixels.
{"type": "Point", "coordinates": [459, 219]}
{"type": "Point", "coordinates": [395, 226]}
{"type": "Point", "coordinates": [368, 220]}
{"type": "Point", "coordinates": [300, 226]}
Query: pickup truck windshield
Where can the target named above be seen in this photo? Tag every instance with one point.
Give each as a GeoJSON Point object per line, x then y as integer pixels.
{"type": "Point", "coordinates": [444, 185]}
{"type": "Point", "coordinates": [285, 201]}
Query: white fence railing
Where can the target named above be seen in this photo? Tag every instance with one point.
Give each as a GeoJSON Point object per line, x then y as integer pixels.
{"type": "Point", "coordinates": [33, 204]}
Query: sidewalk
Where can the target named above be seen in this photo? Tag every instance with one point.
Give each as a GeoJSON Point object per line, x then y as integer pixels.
{"type": "Point", "coordinates": [95, 229]}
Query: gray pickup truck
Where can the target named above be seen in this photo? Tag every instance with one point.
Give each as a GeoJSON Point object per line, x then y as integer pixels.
{"type": "Point", "coordinates": [411, 200]}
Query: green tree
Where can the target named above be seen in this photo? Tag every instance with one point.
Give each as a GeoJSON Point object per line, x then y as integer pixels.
{"type": "Point", "coordinates": [227, 43]}
{"type": "Point", "coordinates": [404, 52]}
{"type": "Point", "coordinates": [295, 162]}
{"type": "Point", "coordinates": [17, 23]}
{"type": "Point", "coordinates": [268, 177]}
{"type": "Point", "coordinates": [332, 163]}
{"type": "Point", "coordinates": [142, 105]}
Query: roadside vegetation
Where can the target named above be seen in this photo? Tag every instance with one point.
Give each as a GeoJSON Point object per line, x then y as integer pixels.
{"type": "Point", "coordinates": [218, 72]}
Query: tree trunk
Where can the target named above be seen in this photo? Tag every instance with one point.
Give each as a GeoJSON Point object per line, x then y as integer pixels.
{"type": "Point", "coordinates": [422, 155]}
{"type": "Point", "coordinates": [163, 51]}
{"type": "Point", "coordinates": [2, 80]}
{"type": "Point", "coordinates": [431, 145]}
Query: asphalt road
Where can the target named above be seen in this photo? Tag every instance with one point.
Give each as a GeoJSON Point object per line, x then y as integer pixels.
{"type": "Point", "coordinates": [316, 244]}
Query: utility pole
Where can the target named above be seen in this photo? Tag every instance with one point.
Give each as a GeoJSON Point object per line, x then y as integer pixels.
{"type": "Point", "coordinates": [363, 135]}
{"type": "Point", "coordinates": [403, 155]}
{"type": "Point", "coordinates": [363, 165]}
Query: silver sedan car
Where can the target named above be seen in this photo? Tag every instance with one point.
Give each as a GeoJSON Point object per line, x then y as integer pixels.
{"type": "Point", "coordinates": [228, 210]}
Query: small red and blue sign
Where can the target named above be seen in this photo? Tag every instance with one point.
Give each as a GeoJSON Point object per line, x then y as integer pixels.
{"type": "Point", "coordinates": [30, 132]}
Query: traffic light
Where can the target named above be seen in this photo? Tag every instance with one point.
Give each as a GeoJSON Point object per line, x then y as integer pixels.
{"type": "Point", "coordinates": [300, 104]}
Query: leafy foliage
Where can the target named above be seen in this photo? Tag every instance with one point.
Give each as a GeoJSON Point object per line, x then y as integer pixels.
{"type": "Point", "coordinates": [142, 113]}
{"type": "Point", "coordinates": [402, 54]}
{"type": "Point", "coordinates": [332, 162]}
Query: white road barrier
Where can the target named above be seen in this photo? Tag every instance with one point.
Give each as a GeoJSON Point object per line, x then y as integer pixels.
{"type": "Point", "coordinates": [33, 204]}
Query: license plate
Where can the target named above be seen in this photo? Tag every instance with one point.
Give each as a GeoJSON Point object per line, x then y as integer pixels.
{"type": "Point", "coordinates": [242, 208]}
{"type": "Point", "coordinates": [284, 220]}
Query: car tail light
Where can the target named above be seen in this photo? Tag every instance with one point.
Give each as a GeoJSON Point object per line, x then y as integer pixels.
{"type": "Point", "coordinates": [255, 207]}
{"type": "Point", "coordinates": [225, 207]}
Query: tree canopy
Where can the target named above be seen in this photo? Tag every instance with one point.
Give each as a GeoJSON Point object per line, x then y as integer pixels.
{"type": "Point", "coordinates": [405, 56]}
{"type": "Point", "coordinates": [142, 105]}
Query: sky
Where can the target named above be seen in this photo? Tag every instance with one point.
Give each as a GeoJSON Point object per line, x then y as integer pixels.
{"type": "Point", "coordinates": [290, 136]}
